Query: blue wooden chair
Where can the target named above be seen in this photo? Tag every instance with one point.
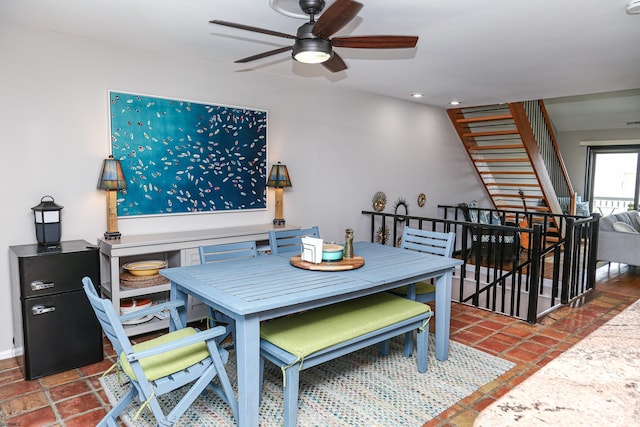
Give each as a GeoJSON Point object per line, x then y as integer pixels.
{"type": "Point", "coordinates": [283, 241]}
{"type": "Point", "coordinates": [219, 253]}
{"type": "Point", "coordinates": [227, 252]}
{"type": "Point", "coordinates": [430, 242]}
{"type": "Point", "coordinates": [163, 364]}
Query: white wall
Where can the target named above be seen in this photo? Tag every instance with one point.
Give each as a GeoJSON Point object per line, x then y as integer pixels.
{"type": "Point", "coordinates": [340, 147]}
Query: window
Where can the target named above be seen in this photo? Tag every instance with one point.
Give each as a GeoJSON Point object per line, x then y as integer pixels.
{"type": "Point", "coordinates": [613, 178]}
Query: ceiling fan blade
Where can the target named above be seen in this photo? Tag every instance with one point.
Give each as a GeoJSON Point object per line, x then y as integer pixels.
{"type": "Point", "coordinates": [263, 54]}
{"type": "Point", "coordinates": [375, 42]}
{"type": "Point", "coordinates": [254, 29]}
{"type": "Point", "coordinates": [335, 18]}
{"type": "Point", "coordinates": [335, 64]}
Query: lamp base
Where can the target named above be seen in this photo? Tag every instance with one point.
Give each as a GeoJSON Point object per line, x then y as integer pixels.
{"type": "Point", "coordinates": [112, 235]}
{"type": "Point", "coordinates": [278, 222]}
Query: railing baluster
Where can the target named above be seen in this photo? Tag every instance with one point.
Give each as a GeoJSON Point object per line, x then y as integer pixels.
{"type": "Point", "coordinates": [501, 289]}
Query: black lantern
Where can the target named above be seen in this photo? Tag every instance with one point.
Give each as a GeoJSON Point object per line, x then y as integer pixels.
{"type": "Point", "coordinates": [47, 218]}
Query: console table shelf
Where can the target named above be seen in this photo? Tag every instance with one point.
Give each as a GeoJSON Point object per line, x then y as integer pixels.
{"type": "Point", "coordinates": [177, 249]}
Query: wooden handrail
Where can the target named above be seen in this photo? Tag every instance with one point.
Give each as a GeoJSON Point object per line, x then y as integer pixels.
{"type": "Point", "coordinates": [531, 146]}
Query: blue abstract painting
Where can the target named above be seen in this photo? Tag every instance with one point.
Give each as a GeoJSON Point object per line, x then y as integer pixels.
{"type": "Point", "coordinates": [179, 156]}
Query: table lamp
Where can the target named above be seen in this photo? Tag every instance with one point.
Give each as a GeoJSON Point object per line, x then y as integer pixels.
{"type": "Point", "coordinates": [278, 179]}
{"type": "Point", "coordinates": [112, 180]}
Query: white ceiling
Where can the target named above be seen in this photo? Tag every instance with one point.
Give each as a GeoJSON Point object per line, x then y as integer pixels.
{"type": "Point", "coordinates": [478, 52]}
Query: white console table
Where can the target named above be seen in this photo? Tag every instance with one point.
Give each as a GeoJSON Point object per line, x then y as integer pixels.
{"type": "Point", "coordinates": [177, 249]}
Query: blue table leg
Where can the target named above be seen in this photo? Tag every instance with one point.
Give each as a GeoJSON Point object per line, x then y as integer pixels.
{"type": "Point", "coordinates": [408, 337]}
{"type": "Point", "coordinates": [443, 314]}
{"type": "Point", "coordinates": [178, 295]}
{"type": "Point", "coordinates": [247, 342]}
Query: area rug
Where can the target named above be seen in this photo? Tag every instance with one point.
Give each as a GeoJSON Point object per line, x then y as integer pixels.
{"type": "Point", "coordinates": [360, 389]}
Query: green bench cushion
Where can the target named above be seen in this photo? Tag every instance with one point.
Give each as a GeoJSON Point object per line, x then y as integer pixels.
{"type": "Point", "coordinates": [311, 331]}
{"type": "Point", "coordinates": [170, 362]}
{"type": "Point", "coordinates": [421, 289]}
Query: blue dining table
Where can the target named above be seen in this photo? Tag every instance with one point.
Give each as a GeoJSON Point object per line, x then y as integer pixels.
{"type": "Point", "coordinates": [252, 290]}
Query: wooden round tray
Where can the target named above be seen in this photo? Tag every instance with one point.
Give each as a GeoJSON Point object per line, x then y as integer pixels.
{"type": "Point", "coordinates": [342, 265]}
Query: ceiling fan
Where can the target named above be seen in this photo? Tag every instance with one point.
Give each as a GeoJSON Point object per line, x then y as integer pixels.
{"type": "Point", "coordinates": [313, 44]}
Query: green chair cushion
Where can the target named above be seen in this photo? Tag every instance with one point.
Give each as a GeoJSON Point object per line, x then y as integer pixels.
{"type": "Point", "coordinates": [311, 331]}
{"type": "Point", "coordinates": [170, 362]}
{"type": "Point", "coordinates": [421, 289]}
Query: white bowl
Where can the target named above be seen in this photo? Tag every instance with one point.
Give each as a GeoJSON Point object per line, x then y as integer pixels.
{"type": "Point", "coordinates": [131, 305]}
{"type": "Point", "coordinates": [144, 268]}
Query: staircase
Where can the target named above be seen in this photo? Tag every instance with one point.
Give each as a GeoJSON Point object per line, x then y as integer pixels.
{"type": "Point", "coordinates": [513, 150]}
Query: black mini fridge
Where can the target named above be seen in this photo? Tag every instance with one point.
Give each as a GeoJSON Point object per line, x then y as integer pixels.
{"type": "Point", "coordinates": [54, 326]}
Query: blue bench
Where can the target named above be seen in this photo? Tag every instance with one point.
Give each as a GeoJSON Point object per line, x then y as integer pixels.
{"type": "Point", "coordinates": [309, 338]}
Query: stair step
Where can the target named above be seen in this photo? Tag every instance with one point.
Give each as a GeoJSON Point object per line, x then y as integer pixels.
{"type": "Point", "coordinates": [510, 184]}
{"type": "Point", "coordinates": [496, 147]}
{"type": "Point", "coordinates": [537, 219]}
{"type": "Point", "coordinates": [517, 196]}
{"type": "Point", "coordinates": [514, 160]}
{"type": "Point", "coordinates": [507, 172]}
{"type": "Point", "coordinates": [484, 118]}
{"type": "Point", "coordinates": [533, 208]}
{"type": "Point", "coordinates": [493, 133]}
{"type": "Point", "coordinates": [552, 231]}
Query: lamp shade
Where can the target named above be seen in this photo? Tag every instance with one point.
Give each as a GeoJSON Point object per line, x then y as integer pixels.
{"type": "Point", "coordinates": [111, 176]}
{"type": "Point", "coordinates": [279, 176]}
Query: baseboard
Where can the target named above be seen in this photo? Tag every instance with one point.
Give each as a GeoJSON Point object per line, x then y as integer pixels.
{"type": "Point", "coordinates": [8, 354]}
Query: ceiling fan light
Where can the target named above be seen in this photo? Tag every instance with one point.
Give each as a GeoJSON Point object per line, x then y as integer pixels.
{"type": "Point", "coordinates": [311, 51]}
{"type": "Point", "coordinates": [311, 57]}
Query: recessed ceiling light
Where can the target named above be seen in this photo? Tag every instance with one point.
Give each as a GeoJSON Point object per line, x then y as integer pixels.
{"type": "Point", "coordinates": [417, 95]}
{"type": "Point", "coordinates": [633, 7]}
{"type": "Point", "coordinates": [454, 102]}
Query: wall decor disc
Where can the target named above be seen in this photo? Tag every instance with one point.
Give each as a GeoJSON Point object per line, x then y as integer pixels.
{"type": "Point", "coordinates": [382, 235]}
{"type": "Point", "coordinates": [401, 204]}
{"type": "Point", "coordinates": [421, 199]}
{"type": "Point", "coordinates": [379, 201]}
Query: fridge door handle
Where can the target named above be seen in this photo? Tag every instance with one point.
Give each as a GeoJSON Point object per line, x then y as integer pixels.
{"type": "Point", "coordinates": [41, 309]}
{"type": "Point", "coordinates": [38, 285]}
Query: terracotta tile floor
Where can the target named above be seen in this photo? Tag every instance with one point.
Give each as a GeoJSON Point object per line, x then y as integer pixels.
{"type": "Point", "coordinates": [75, 398]}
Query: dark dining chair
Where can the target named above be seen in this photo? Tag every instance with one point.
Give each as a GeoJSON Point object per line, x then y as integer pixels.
{"type": "Point", "coordinates": [487, 242]}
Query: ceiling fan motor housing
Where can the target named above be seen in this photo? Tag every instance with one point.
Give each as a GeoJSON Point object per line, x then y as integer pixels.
{"type": "Point", "coordinates": [304, 31]}
{"type": "Point", "coordinates": [311, 6]}
{"type": "Point", "coordinates": [307, 42]}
